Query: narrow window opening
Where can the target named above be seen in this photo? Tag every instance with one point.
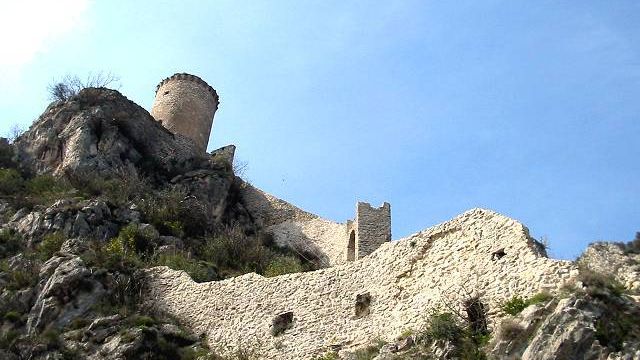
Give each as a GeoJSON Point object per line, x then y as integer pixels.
{"type": "Point", "coordinates": [166, 92]}
{"type": "Point", "coordinates": [351, 247]}
{"type": "Point", "coordinates": [281, 323]}
{"type": "Point", "coordinates": [363, 305]}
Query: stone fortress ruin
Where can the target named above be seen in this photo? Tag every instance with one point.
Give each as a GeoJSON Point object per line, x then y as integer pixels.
{"type": "Point", "coordinates": [370, 287]}
{"type": "Point", "coordinates": [186, 105]}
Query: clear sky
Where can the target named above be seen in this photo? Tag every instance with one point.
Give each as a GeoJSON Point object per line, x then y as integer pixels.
{"type": "Point", "coordinates": [529, 108]}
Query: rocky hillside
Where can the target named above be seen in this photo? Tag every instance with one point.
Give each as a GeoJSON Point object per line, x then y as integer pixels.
{"type": "Point", "coordinates": [96, 192]}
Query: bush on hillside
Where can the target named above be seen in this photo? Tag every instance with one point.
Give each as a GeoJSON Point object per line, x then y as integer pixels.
{"type": "Point", "coordinates": [50, 244]}
{"type": "Point", "coordinates": [283, 264]}
{"type": "Point", "coordinates": [599, 284]}
{"type": "Point", "coordinates": [11, 182]}
{"type": "Point", "coordinates": [11, 243]}
{"type": "Point", "coordinates": [198, 271]}
{"type": "Point", "coordinates": [71, 85]}
{"type": "Point", "coordinates": [6, 154]}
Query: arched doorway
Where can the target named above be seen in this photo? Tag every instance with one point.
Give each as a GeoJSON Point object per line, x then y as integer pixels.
{"type": "Point", "coordinates": [351, 247]}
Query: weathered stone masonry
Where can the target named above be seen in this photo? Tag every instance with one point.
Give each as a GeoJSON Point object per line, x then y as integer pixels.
{"type": "Point", "coordinates": [331, 242]}
{"type": "Point", "coordinates": [370, 229]}
{"type": "Point", "coordinates": [185, 104]}
{"type": "Point", "coordinates": [379, 296]}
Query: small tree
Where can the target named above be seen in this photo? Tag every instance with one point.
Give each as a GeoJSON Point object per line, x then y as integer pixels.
{"type": "Point", "coordinates": [72, 84]}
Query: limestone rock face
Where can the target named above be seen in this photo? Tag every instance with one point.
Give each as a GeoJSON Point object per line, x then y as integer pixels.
{"type": "Point", "coordinates": [100, 130]}
{"type": "Point", "coordinates": [73, 218]}
{"type": "Point", "coordinates": [569, 329]}
{"type": "Point", "coordinates": [65, 294]}
{"type": "Point", "coordinates": [611, 258]}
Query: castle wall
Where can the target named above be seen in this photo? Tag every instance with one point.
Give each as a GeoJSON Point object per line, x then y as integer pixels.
{"type": "Point", "coordinates": [400, 283]}
{"type": "Point", "coordinates": [372, 228]}
{"type": "Point", "coordinates": [186, 105]}
{"type": "Point", "coordinates": [295, 228]}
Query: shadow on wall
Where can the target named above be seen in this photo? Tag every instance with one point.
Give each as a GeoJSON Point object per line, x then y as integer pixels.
{"type": "Point", "coordinates": [290, 234]}
{"type": "Point", "coordinates": [282, 221]}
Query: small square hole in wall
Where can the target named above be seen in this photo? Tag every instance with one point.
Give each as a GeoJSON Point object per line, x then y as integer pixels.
{"type": "Point", "coordinates": [498, 254]}
{"type": "Point", "coordinates": [281, 323]}
{"type": "Point", "coordinates": [363, 304]}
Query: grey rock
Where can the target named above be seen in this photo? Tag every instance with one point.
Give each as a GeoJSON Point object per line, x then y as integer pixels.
{"type": "Point", "coordinates": [104, 321]}
{"type": "Point", "coordinates": [80, 226]}
{"type": "Point", "coordinates": [67, 294]}
{"type": "Point", "coordinates": [74, 246]}
{"type": "Point", "coordinates": [101, 132]}
{"type": "Point", "coordinates": [405, 344]}
{"type": "Point", "coordinates": [149, 232]}
{"type": "Point", "coordinates": [19, 215]}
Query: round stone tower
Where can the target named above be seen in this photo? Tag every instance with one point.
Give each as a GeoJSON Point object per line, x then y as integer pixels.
{"type": "Point", "coordinates": [185, 104]}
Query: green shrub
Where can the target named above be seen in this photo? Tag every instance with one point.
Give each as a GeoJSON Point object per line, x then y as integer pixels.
{"type": "Point", "coordinates": [282, 264]}
{"type": "Point", "coordinates": [142, 321]}
{"type": "Point", "coordinates": [232, 249]}
{"type": "Point", "coordinates": [6, 154]}
{"type": "Point", "coordinates": [12, 316]}
{"type": "Point", "coordinates": [514, 305]}
{"type": "Point", "coordinates": [175, 213]}
{"type": "Point", "coordinates": [8, 338]}
{"type": "Point", "coordinates": [181, 261]}
{"type": "Point", "coordinates": [11, 182]}
{"type": "Point", "coordinates": [174, 228]}
{"type": "Point", "coordinates": [539, 298]}
{"type": "Point", "coordinates": [598, 284]}
{"type": "Point", "coordinates": [132, 239]}
{"type": "Point", "coordinates": [612, 330]}
{"type": "Point", "coordinates": [119, 190]}
{"type": "Point", "coordinates": [11, 243]}
{"type": "Point", "coordinates": [369, 352]}
{"type": "Point", "coordinates": [443, 326]}
{"type": "Point", "coordinates": [21, 278]}
{"type": "Point", "coordinates": [120, 252]}
{"type": "Point", "coordinates": [51, 338]}
{"type": "Point", "coordinates": [51, 244]}
{"type": "Point", "coordinates": [42, 185]}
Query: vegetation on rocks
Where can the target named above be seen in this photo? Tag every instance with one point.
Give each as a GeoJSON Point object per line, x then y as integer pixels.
{"type": "Point", "coordinates": [73, 248]}
{"type": "Point", "coordinates": [516, 304]}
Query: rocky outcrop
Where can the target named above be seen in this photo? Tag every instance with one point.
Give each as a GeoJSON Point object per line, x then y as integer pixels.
{"type": "Point", "coordinates": [101, 131]}
{"type": "Point", "coordinates": [576, 327]}
{"type": "Point", "coordinates": [73, 218]}
{"type": "Point", "coordinates": [610, 258]}
{"type": "Point", "coordinates": [66, 292]}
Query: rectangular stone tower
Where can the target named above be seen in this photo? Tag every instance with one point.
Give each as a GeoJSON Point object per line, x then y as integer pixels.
{"type": "Point", "coordinates": [370, 229]}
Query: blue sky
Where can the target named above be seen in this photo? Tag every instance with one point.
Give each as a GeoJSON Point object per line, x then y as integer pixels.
{"type": "Point", "coordinates": [529, 108]}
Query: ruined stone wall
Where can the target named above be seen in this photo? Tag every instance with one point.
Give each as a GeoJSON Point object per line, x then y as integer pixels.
{"type": "Point", "coordinates": [394, 288]}
{"type": "Point", "coordinates": [186, 104]}
{"type": "Point", "coordinates": [295, 228]}
{"type": "Point", "coordinates": [372, 227]}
